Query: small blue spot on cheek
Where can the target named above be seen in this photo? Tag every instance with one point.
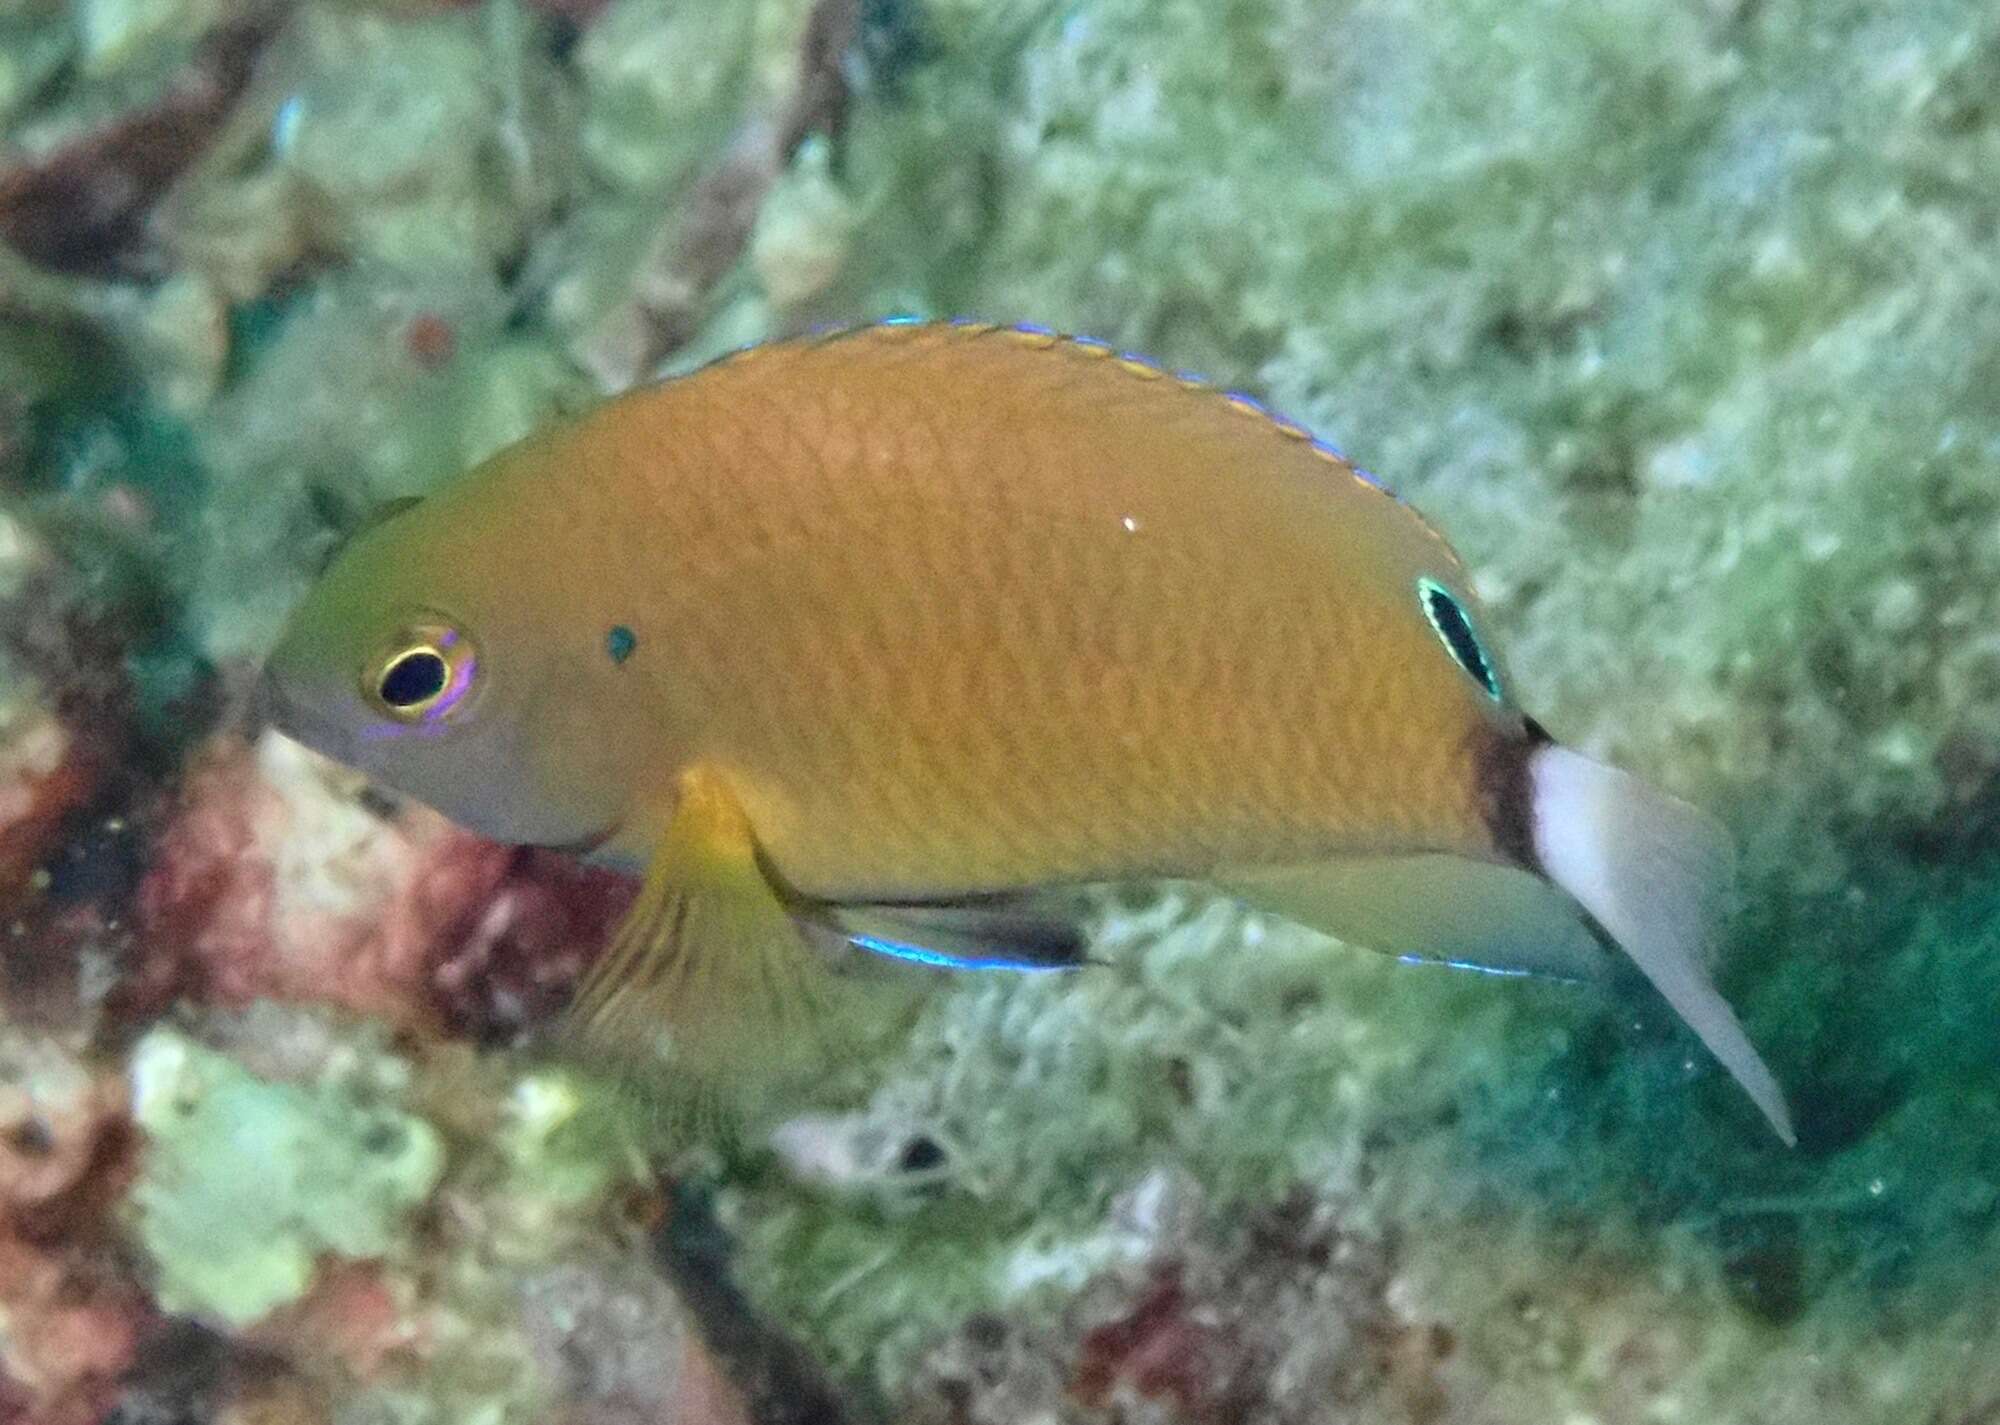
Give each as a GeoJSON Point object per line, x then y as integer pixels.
{"type": "Point", "coordinates": [621, 643]}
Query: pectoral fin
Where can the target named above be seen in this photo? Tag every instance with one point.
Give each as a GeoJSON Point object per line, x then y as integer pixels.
{"type": "Point", "coordinates": [709, 976]}
{"type": "Point", "coordinates": [1471, 914]}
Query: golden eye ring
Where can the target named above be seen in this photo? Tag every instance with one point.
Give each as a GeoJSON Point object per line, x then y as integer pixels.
{"type": "Point", "coordinates": [423, 676]}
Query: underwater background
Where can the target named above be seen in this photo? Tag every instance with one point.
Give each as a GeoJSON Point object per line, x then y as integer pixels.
{"type": "Point", "coordinates": [1682, 317]}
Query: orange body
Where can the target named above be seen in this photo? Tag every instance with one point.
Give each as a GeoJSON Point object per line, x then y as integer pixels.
{"type": "Point", "coordinates": [967, 610]}
{"type": "Point", "coordinates": [850, 640]}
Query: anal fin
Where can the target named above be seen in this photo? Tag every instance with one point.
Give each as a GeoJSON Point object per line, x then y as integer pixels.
{"type": "Point", "coordinates": [1448, 909]}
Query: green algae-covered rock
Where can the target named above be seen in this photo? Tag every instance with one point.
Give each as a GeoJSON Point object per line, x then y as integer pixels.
{"type": "Point", "coordinates": [32, 47]}
{"type": "Point", "coordinates": [366, 388]}
{"type": "Point", "coordinates": [247, 1182]}
{"type": "Point", "coordinates": [407, 140]}
{"type": "Point", "coordinates": [421, 141]}
{"type": "Point", "coordinates": [664, 81]}
{"type": "Point", "coordinates": [113, 32]}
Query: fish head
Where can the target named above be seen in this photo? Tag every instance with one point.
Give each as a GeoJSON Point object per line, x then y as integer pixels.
{"type": "Point", "coordinates": [427, 657]}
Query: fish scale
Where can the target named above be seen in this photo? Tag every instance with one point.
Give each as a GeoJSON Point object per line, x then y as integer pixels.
{"type": "Point", "coordinates": [955, 616]}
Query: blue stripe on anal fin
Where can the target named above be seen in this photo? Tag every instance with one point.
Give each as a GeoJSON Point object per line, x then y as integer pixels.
{"type": "Point", "coordinates": [981, 934]}
{"type": "Point", "coordinates": [938, 959]}
{"type": "Point", "coordinates": [1440, 909]}
{"type": "Point", "coordinates": [1503, 972]}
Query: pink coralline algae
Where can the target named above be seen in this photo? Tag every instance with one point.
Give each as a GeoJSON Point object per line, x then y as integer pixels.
{"type": "Point", "coordinates": [515, 961]}
{"type": "Point", "coordinates": [71, 1322]}
{"type": "Point", "coordinates": [46, 773]}
{"type": "Point", "coordinates": [1159, 1349]}
{"type": "Point", "coordinates": [1285, 1320]}
{"type": "Point", "coordinates": [351, 1321]}
{"type": "Point", "coordinates": [281, 877]}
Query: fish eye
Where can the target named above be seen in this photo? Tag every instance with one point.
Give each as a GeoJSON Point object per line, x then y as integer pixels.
{"type": "Point", "coordinates": [424, 675]}
{"type": "Point", "coordinates": [414, 678]}
{"type": "Point", "coordinates": [1453, 627]}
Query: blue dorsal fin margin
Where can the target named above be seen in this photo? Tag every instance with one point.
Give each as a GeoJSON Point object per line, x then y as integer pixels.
{"type": "Point", "coordinates": [973, 328]}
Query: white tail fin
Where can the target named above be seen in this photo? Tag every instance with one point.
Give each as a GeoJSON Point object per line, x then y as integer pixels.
{"type": "Point", "coordinates": [1653, 871]}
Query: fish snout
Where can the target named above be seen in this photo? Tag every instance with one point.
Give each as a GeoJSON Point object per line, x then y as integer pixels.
{"type": "Point", "coordinates": [276, 704]}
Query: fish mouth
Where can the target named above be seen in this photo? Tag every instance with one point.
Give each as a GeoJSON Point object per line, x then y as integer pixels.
{"type": "Point", "coordinates": [280, 709]}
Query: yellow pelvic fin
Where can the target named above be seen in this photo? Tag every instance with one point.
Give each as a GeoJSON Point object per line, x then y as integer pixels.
{"type": "Point", "coordinates": [1448, 909]}
{"type": "Point", "coordinates": [709, 979]}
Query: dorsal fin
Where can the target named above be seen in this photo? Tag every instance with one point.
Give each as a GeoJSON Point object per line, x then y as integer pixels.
{"type": "Point", "coordinates": [1032, 335]}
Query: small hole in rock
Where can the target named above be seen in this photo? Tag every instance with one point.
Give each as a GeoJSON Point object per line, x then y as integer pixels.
{"type": "Point", "coordinates": [920, 1155]}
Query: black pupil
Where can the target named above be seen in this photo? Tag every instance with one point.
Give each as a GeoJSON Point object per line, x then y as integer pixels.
{"type": "Point", "coordinates": [415, 677]}
{"type": "Point", "coordinates": [1450, 620]}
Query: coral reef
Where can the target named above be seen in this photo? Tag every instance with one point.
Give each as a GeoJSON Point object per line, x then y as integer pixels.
{"type": "Point", "coordinates": [71, 1322]}
{"type": "Point", "coordinates": [425, 1240]}
{"type": "Point", "coordinates": [247, 1184]}
{"type": "Point", "coordinates": [74, 201]}
{"type": "Point", "coordinates": [1676, 316]}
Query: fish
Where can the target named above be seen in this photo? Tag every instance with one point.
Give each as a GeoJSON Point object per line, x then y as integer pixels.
{"type": "Point", "coordinates": [893, 639]}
